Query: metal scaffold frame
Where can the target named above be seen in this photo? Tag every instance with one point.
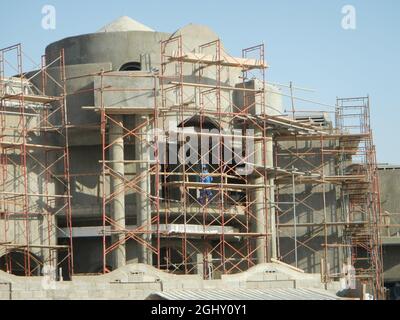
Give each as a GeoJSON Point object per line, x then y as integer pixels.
{"type": "Point", "coordinates": [27, 113]}
{"type": "Point", "coordinates": [167, 222]}
{"type": "Point", "coordinates": [212, 103]}
{"type": "Point", "coordinates": [209, 102]}
{"type": "Point", "coordinates": [342, 157]}
{"type": "Point", "coordinates": [365, 244]}
{"type": "Point", "coordinates": [146, 235]}
{"type": "Point", "coordinates": [205, 215]}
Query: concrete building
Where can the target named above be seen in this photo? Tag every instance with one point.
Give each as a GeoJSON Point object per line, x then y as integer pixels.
{"type": "Point", "coordinates": [103, 178]}
{"type": "Point", "coordinates": [389, 176]}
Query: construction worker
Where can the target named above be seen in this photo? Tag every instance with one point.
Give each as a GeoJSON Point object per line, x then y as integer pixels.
{"type": "Point", "coordinates": [205, 194]}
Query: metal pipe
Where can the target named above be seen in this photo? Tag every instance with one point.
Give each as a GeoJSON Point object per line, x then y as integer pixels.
{"type": "Point", "coordinates": [294, 220]}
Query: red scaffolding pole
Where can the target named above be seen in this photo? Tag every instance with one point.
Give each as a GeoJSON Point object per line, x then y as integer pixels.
{"type": "Point", "coordinates": [232, 246]}
{"type": "Point", "coordinates": [34, 146]}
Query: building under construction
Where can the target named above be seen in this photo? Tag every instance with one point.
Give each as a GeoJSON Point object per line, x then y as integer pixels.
{"type": "Point", "coordinates": [146, 158]}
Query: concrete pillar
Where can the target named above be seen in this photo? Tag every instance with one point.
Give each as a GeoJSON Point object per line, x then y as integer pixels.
{"type": "Point", "coordinates": [200, 264]}
{"type": "Point", "coordinates": [259, 198]}
{"type": "Point", "coordinates": [272, 245]}
{"type": "Point", "coordinates": [203, 262]}
{"type": "Point", "coordinates": [48, 232]}
{"type": "Point", "coordinates": [118, 204]}
{"type": "Point", "coordinates": [264, 198]}
{"type": "Point", "coordinates": [142, 152]}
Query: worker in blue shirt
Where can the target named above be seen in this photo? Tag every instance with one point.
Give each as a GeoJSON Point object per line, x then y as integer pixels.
{"type": "Point", "coordinates": [205, 194]}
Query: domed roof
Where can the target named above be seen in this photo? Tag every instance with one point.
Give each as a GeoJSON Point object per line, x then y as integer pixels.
{"type": "Point", "coordinates": [123, 24]}
{"type": "Point", "coordinates": [196, 34]}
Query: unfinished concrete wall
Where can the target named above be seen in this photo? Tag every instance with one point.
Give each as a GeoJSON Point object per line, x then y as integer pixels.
{"type": "Point", "coordinates": [23, 189]}
{"type": "Point", "coordinates": [85, 57]}
{"type": "Point", "coordinates": [90, 54]}
{"type": "Point", "coordinates": [389, 177]}
{"type": "Point", "coordinates": [390, 199]}
{"type": "Point", "coordinates": [138, 282]}
{"type": "Point", "coordinates": [315, 204]}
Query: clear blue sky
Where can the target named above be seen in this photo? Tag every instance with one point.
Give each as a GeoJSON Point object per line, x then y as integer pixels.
{"type": "Point", "coordinates": [304, 39]}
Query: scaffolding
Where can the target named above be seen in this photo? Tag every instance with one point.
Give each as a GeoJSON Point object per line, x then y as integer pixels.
{"type": "Point", "coordinates": [363, 196]}
{"type": "Point", "coordinates": [340, 163]}
{"type": "Point", "coordinates": [35, 191]}
{"type": "Point", "coordinates": [122, 126]}
{"type": "Point", "coordinates": [196, 102]}
{"type": "Point", "coordinates": [172, 211]}
{"type": "Point", "coordinates": [253, 185]}
{"type": "Point", "coordinates": [235, 220]}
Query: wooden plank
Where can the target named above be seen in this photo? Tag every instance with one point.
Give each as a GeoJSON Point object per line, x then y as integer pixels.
{"type": "Point", "coordinates": [203, 85]}
{"type": "Point", "coordinates": [122, 110]}
{"type": "Point", "coordinates": [34, 246]}
{"type": "Point", "coordinates": [327, 179]}
{"type": "Point", "coordinates": [31, 98]}
{"type": "Point", "coordinates": [216, 186]}
{"type": "Point", "coordinates": [32, 194]}
{"type": "Point", "coordinates": [4, 145]}
{"type": "Point", "coordinates": [326, 136]}
{"type": "Point", "coordinates": [225, 60]}
{"type": "Point", "coordinates": [281, 121]}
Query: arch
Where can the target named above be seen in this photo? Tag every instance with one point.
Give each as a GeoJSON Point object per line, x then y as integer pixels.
{"type": "Point", "coordinates": [14, 263]}
{"type": "Point", "coordinates": [198, 121]}
{"type": "Point", "coordinates": [131, 66]}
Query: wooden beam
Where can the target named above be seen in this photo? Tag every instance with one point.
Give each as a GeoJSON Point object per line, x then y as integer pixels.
{"type": "Point", "coordinates": [7, 145]}
{"type": "Point", "coordinates": [31, 98]}
{"type": "Point", "coordinates": [216, 186]}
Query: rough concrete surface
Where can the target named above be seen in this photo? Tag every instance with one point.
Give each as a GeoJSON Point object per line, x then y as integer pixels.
{"type": "Point", "coordinates": [139, 281]}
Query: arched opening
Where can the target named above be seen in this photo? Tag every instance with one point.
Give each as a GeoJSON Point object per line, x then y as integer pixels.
{"type": "Point", "coordinates": [171, 260]}
{"type": "Point", "coordinates": [198, 121]}
{"type": "Point", "coordinates": [214, 153]}
{"type": "Point", "coordinates": [14, 262]}
{"type": "Point", "coordinates": [131, 66]}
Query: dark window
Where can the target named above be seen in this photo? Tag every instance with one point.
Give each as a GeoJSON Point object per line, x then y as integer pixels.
{"type": "Point", "coordinates": [131, 66]}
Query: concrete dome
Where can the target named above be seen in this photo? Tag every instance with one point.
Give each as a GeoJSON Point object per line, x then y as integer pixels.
{"type": "Point", "coordinates": [195, 35]}
{"type": "Point", "coordinates": [123, 24]}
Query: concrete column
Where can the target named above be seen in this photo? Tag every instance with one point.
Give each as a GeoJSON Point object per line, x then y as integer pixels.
{"type": "Point", "coordinates": [204, 261]}
{"type": "Point", "coordinates": [116, 184]}
{"type": "Point", "coordinates": [200, 264]}
{"type": "Point", "coordinates": [272, 245]}
{"type": "Point", "coordinates": [258, 195]}
{"type": "Point", "coordinates": [142, 153]}
{"type": "Point", "coordinates": [46, 230]}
